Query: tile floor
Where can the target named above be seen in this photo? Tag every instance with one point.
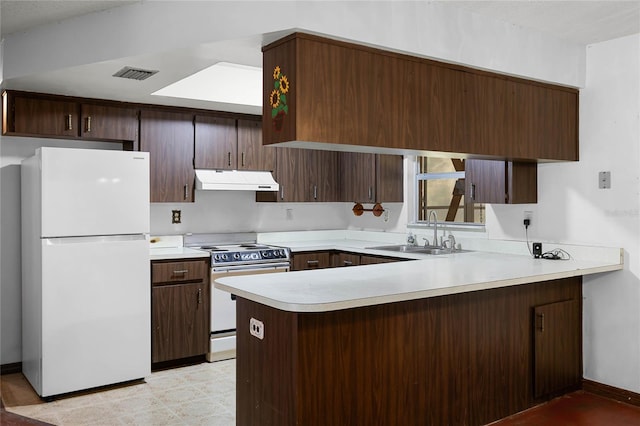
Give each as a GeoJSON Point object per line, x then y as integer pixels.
{"type": "Point", "coordinates": [201, 394]}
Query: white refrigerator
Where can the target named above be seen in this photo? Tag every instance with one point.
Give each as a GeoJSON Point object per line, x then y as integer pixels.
{"type": "Point", "coordinates": [86, 301]}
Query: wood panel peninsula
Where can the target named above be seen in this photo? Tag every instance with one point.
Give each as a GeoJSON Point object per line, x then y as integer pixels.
{"type": "Point", "coordinates": [459, 339]}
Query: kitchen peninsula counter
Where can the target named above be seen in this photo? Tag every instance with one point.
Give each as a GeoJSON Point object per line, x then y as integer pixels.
{"type": "Point", "coordinates": [457, 339]}
{"type": "Point", "coordinates": [427, 276]}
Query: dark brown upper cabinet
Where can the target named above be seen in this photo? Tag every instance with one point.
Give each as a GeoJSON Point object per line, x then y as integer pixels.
{"type": "Point", "coordinates": [105, 122]}
{"type": "Point", "coordinates": [168, 137]}
{"type": "Point", "coordinates": [30, 114]}
{"type": "Point", "coordinates": [501, 182]}
{"type": "Point", "coordinates": [304, 175]}
{"type": "Point", "coordinates": [349, 94]}
{"type": "Point", "coordinates": [230, 144]}
{"type": "Point", "coordinates": [370, 178]}
{"type": "Point", "coordinates": [216, 140]}
{"type": "Point", "coordinates": [252, 155]}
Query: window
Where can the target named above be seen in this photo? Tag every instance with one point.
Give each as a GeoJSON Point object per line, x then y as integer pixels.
{"type": "Point", "coordinates": [440, 187]}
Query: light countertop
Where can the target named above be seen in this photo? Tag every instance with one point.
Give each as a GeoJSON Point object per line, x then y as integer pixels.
{"type": "Point", "coordinates": [164, 253]}
{"type": "Point", "coordinates": [431, 276]}
{"type": "Point", "coordinates": [171, 247]}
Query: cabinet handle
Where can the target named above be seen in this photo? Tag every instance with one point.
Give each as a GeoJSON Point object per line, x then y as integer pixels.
{"type": "Point", "coordinates": [313, 262]}
{"type": "Point", "coordinates": [181, 272]}
{"type": "Point", "coordinates": [473, 191]}
{"type": "Point", "coordinates": [281, 191]}
{"type": "Point", "coordinates": [348, 263]}
{"type": "Point", "coordinates": [315, 192]}
{"type": "Point", "coordinates": [186, 191]}
{"type": "Point", "coordinates": [88, 124]}
{"type": "Point", "coordinates": [540, 317]}
{"type": "Point", "coordinates": [242, 159]}
{"type": "Point", "coordinates": [370, 193]}
{"type": "Point", "coordinates": [199, 296]}
{"type": "Point", "coordinates": [229, 158]}
{"type": "Point", "coordinates": [69, 122]}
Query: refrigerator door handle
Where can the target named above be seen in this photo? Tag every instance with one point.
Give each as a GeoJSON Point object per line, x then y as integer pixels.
{"type": "Point", "coordinates": [95, 239]}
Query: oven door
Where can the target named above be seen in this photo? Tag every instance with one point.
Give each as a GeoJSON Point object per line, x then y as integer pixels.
{"type": "Point", "coordinates": [223, 308]}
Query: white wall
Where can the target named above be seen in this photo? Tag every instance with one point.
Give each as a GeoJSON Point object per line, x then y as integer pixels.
{"type": "Point", "coordinates": [572, 209]}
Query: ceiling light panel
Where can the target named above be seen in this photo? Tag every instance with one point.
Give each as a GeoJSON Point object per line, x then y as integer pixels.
{"type": "Point", "coordinates": [223, 82]}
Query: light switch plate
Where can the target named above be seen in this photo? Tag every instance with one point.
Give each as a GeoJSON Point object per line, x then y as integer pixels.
{"type": "Point", "coordinates": [604, 180]}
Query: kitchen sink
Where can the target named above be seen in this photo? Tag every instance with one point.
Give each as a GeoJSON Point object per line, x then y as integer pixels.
{"type": "Point", "coordinates": [406, 248]}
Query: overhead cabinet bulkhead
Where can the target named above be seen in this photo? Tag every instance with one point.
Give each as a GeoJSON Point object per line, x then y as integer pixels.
{"type": "Point", "coordinates": [332, 92]}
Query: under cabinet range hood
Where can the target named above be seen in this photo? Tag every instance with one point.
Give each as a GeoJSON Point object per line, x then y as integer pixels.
{"type": "Point", "coordinates": [235, 180]}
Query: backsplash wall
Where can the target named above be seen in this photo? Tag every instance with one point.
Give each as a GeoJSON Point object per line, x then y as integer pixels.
{"type": "Point", "coordinates": [231, 211]}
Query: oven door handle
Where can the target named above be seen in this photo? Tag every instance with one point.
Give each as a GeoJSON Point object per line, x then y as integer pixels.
{"type": "Point", "coordinates": [249, 268]}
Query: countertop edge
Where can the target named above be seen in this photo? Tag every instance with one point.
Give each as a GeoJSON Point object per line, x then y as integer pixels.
{"type": "Point", "coordinates": [400, 297]}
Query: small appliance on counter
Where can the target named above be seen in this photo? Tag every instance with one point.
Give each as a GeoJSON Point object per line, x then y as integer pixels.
{"type": "Point", "coordinates": [86, 304]}
{"type": "Point", "coordinates": [233, 255]}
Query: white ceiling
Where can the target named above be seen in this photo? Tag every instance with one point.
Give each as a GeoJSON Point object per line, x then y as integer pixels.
{"type": "Point", "coordinates": [22, 15]}
{"type": "Point", "coordinates": [583, 22]}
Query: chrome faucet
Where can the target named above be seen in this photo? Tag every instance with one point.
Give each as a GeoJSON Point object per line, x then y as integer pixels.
{"type": "Point", "coordinates": [435, 226]}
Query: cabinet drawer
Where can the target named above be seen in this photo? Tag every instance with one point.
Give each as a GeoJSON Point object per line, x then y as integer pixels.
{"type": "Point", "coordinates": [311, 260]}
{"type": "Point", "coordinates": [170, 272]}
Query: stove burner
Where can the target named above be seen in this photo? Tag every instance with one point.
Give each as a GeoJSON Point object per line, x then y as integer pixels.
{"type": "Point", "coordinates": [213, 248]}
{"type": "Point", "coordinates": [255, 246]}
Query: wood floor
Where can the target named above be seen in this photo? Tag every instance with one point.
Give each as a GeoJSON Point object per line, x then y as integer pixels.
{"type": "Point", "coordinates": [576, 409]}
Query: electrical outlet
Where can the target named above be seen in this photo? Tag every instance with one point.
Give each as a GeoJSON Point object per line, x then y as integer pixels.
{"type": "Point", "coordinates": [256, 328]}
{"type": "Point", "coordinates": [528, 214]}
{"type": "Point", "coordinates": [176, 216]}
{"type": "Point", "coordinates": [537, 250]}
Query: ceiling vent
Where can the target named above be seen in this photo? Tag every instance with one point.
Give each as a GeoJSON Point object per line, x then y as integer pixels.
{"type": "Point", "coordinates": [134, 73]}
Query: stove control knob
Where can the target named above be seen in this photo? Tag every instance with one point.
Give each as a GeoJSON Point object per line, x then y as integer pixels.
{"type": "Point", "coordinates": [224, 256]}
{"type": "Point", "coordinates": [282, 253]}
{"type": "Point", "coordinates": [216, 256]}
{"type": "Point", "coordinates": [266, 253]}
{"type": "Point", "coordinates": [236, 255]}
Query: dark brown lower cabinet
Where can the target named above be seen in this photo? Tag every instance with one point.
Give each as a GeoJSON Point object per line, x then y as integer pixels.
{"type": "Point", "coordinates": [180, 306]}
{"type": "Point", "coordinates": [340, 259]}
{"type": "Point", "coordinates": [310, 260]}
{"type": "Point", "coordinates": [463, 359]}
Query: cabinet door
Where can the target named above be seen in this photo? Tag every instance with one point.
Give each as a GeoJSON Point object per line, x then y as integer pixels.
{"type": "Point", "coordinates": [357, 177]}
{"type": "Point", "coordinates": [46, 117]}
{"type": "Point", "coordinates": [292, 174]}
{"type": "Point", "coordinates": [109, 122]}
{"type": "Point", "coordinates": [501, 182]}
{"type": "Point", "coordinates": [311, 260]}
{"type": "Point", "coordinates": [168, 137]}
{"type": "Point", "coordinates": [180, 321]}
{"type": "Point", "coordinates": [485, 181]}
{"type": "Point", "coordinates": [216, 143]}
{"type": "Point", "coordinates": [389, 178]}
{"type": "Point", "coordinates": [252, 155]}
{"type": "Point", "coordinates": [558, 347]}
{"type": "Point", "coordinates": [323, 175]}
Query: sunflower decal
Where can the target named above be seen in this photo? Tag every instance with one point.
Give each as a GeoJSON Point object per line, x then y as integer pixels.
{"type": "Point", "coordinates": [278, 98]}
